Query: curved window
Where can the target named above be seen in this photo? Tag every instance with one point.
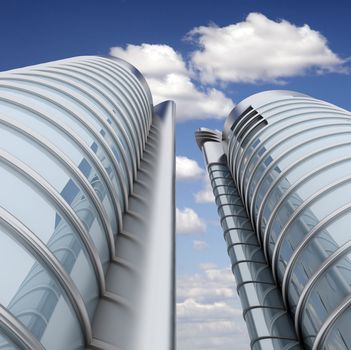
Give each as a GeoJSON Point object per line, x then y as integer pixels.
{"type": "Point", "coordinates": [339, 336]}
{"type": "Point", "coordinates": [307, 165]}
{"type": "Point", "coordinates": [291, 144]}
{"type": "Point", "coordinates": [34, 297]}
{"type": "Point", "coordinates": [60, 135]}
{"type": "Point", "coordinates": [131, 110]}
{"type": "Point", "coordinates": [315, 186]}
{"type": "Point", "coordinates": [6, 343]}
{"type": "Point", "coordinates": [284, 122]}
{"type": "Point", "coordinates": [72, 134]}
{"type": "Point", "coordinates": [130, 84]}
{"type": "Point", "coordinates": [57, 173]}
{"type": "Point", "coordinates": [309, 218]}
{"type": "Point", "coordinates": [329, 155]}
{"type": "Point", "coordinates": [50, 225]}
{"type": "Point", "coordinates": [316, 251]}
{"type": "Point", "coordinates": [329, 291]}
{"type": "Point", "coordinates": [289, 156]}
{"type": "Point", "coordinates": [68, 116]}
{"type": "Point", "coordinates": [120, 124]}
{"type": "Point", "coordinates": [125, 115]}
{"type": "Point", "coordinates": [89, 100]}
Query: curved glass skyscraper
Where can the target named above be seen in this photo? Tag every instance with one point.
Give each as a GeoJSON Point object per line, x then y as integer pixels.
{"type": "Point", "coordinates": [281, 175]}
{"type": "Point", "coordinates": [86, 208]}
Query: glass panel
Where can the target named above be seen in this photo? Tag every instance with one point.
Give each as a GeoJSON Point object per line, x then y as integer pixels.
{"type": "Point", "coordinates": [51, 170]}
{"type": "Point", "coordinates": [244, 252]}
{"type": "Point", "coordinates": [66, 118]}
{"type": "Point", "coordinates": [287, 141]}
{"type": "Point", "coordinates": [6, 343]}
{"type": "Point", "coordinates": [51, 227]}
{"type": "Point", "coordinates": [35, 299]}
{"type": "Point", "coordinates": [101, 107]}
{"type": "Point", "coordinates": [310, 217]}
{"type": "Point", "coordinates": [252, 271]}
{"type": "Point", "coordinates": [132, 77]}
{"type": "Point", "coordinates": [328, 156]}
{"type": "Point", "coordinates": [229, 209]}
{"type": "Point", "coordinates": [223, 190]}
{"type": "Point", "coordinates": [228, 199]}
{"type": "Point", "coordinates": [215, 167]}
{"type": "Point", "coordinates": [339, 337]}
{"type": "Point", "coordinates": [243, 236]}
{"type": "Point", "coordinates": [288, 123]}
{"type": "Point", "coordinates": [72, 150]}
{"type": "Point", "coordinates": [260, 294]}
{"type": "Point", "coordinates": [236, 222]}
{"type": "Point", "coordinates": [269, 344]}
{"type": "Point", "coordinates": [329, 291]}
{"type": "Point", "coordinates": [222, 181]}
{"type": "Point", "coordinates": [266, 322]}
{"type": "Point", "coordinates": [108, 89]}
{"type": "Point", "coordinates": [316, 183]}
{"type": "Point", "coordinates": [318, 249]}
{"type": "Point", "coordinates": [128, 83]}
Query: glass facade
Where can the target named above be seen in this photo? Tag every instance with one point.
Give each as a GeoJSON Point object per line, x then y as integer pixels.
{"type": "Point", "coordinates": [72, 136]}
{"type": "Point", "coordinates": [288, 156]}
{"type": "Point", "coordinates": [260, 297]}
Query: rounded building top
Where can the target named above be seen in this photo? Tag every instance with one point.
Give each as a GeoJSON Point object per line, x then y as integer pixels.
{"type": "Point", "coordinates": [255, 101]}
{"type": "Point", "coordinates": [135, 72]}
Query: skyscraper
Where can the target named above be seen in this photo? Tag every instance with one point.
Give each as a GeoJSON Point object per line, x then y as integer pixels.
{"type": "Point", "coordinates": [281, 176]}
{"type": "Point", "coordinates": [86, 208]}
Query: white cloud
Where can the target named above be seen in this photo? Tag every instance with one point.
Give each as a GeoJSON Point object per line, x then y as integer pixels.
{"type": "Point", "coordinates": [208, 311]}
{"type": "Point", "coordinates": [211, 284]}
{"type": "Point", "coordinates": [206, 194]}
{"type": "Point", "coordinates": [169, 79]}
{"type": "Point", "coordinates": [187, 169]}
{"type": "Point", "coordinates": [260, 50]}
{"type": "Point", "coordinates": [199, 245]}
{"type": "Point", "coordinates": [188, 221]}
{"type": "Point", "coordinates": [191, 309]}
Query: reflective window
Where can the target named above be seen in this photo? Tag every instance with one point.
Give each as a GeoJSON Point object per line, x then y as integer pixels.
{"type": "Point", "coordinates": [44, 163]}
{"type": "Point", "coordinates": [222, 181]}
{"type": "Point", "coordinates": [297, 172]}
{"type": "Point", "coordinates": [34, 297]}
{"type": "Point", "coordinates": [265, 322]}
{"type": "Point", "coordinates": [252, 271]}
{"type": "Point", "coordinates": [272, 343]}
{"type": "Point", "coordinates": [133, 120]}
{"type": "Point", "coordinates": [236, 222]}
{"type": "Point", "coordinates": [317, 250]}
{"type": "Point", "coordinates": [239, 235]}
{"type": "Point", "coordinates": [66, 144]}
{"type": "Point", "coordinates": [49, 224]}
{"type": "Point", "coordinates": [214, 167]}
{"type": "Point", "coordinates": [330, 155]}
{"type": "Point", "coordinates": [65, 100]}
{"type": "Point", "coordinates": [310, 217]}
{"type": "Point", "coordinates": [268, 137]}
{"type": "Point", "coordinates": [329, 291]}
{"type": "Point", "coordinates": [339, 337]}
{"type": "Point", "coordinates": [302, 193]}
{"type": "Point", "coordinates": [128, 83]}
{"type": "Point", "coordinates": [229, 209]}
{"type": "Point", "coordinates": [292, 141]}
{"type": "Point", "coordinates": [6, 343]}
{"type": "Point", "coordinates": [224, 190]}
{"type": "Point", "coordinates": [91, 98]}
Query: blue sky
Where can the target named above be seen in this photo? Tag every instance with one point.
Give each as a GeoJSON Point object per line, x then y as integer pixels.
{"type": "Point", "coordinates": [207, 55]}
